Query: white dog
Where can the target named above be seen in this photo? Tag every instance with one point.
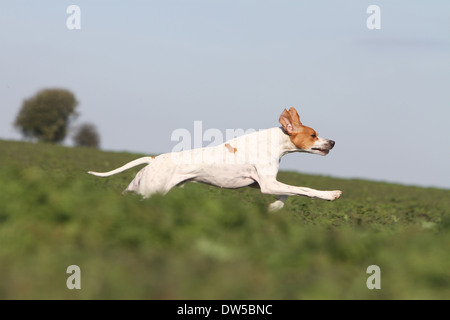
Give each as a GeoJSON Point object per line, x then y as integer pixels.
{"type": "Point", "coordinates": [248, 160]}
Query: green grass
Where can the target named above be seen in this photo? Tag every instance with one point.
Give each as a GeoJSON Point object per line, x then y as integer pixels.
{"type": "Point", "coordinates": [201, 242]}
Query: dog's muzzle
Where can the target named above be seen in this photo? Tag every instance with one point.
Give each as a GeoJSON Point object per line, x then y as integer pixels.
{"type": "Point", "coordinates": [325, 148]}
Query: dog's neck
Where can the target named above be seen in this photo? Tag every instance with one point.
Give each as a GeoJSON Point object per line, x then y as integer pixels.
{"type": "Point", "coordinates": [286, 145]}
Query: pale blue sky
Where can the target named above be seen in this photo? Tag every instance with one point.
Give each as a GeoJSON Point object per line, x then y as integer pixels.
{"type": "Point", "coordinates": [142, 69]}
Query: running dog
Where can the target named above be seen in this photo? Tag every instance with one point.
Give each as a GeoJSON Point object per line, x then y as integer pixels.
{"type": "Point", "coordinates": [249, 160]}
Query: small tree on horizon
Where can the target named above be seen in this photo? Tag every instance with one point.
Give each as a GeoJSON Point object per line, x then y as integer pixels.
{"type": "Point", "coordinates": [86, 135]}
{"type": "Point", "coordinates": [46, 115]}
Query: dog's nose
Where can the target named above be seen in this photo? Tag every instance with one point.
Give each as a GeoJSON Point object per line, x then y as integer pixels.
{"type": "Point", "coordinates": [331, 144]}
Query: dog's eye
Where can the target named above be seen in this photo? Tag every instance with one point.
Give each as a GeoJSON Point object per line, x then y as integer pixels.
{"type": "Point", "coordinates": [314, 136]}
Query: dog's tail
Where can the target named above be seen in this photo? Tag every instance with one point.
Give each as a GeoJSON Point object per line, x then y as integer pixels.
{"type": "Point", "coordinates": [129, 165]}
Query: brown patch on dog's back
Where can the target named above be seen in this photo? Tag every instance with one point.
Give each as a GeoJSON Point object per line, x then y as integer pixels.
{"type": "Point", "coordinates": [230, 148]}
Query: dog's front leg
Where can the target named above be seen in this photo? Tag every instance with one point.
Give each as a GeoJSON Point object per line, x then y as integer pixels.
{"type": "Point", "coordinates": [278, 204]}
{"type": "Point", "coordinates": [270, 185]}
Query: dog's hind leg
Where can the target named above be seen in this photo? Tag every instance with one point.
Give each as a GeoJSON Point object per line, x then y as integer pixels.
{"type": "Point", "coordinates": [157, 179]}
{"type": "Point", "coordinates": [134, 185]}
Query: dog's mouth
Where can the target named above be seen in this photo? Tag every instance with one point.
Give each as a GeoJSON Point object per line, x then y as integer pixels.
{"type": "Point", "coordinates": [324, 151]}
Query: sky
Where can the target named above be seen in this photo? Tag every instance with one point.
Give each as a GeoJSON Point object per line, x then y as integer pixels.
{"type": "Point", "coordinates": [143, 69]}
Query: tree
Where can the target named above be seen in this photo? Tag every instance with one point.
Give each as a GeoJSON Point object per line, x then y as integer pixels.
{"type": "Point", "coordinates": [86, 136]}
{"type": "Point", "coordinates": [46, 115]}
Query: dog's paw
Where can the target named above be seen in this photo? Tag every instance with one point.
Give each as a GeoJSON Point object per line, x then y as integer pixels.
{"type": "Point", "coordinates": [333, 195]}
{"type": "Point", "coordinates": [275, 206]}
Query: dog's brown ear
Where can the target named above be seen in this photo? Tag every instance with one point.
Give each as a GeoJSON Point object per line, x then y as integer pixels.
{"type": "Point", "coordinates": [294, 116]}
{"type": "Point", "coordinates": [287, 123]}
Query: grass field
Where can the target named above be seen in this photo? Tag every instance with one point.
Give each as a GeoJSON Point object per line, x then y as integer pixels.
{"type": "Point", "coordinates": [201, 242]}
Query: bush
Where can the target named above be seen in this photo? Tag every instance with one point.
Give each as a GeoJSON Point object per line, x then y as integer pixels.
{"type": "Point", "coordinates": [87, 136]}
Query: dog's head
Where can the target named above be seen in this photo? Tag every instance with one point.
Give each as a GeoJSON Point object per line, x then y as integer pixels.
{"type": "Point", "coordinates": [304, 138]}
